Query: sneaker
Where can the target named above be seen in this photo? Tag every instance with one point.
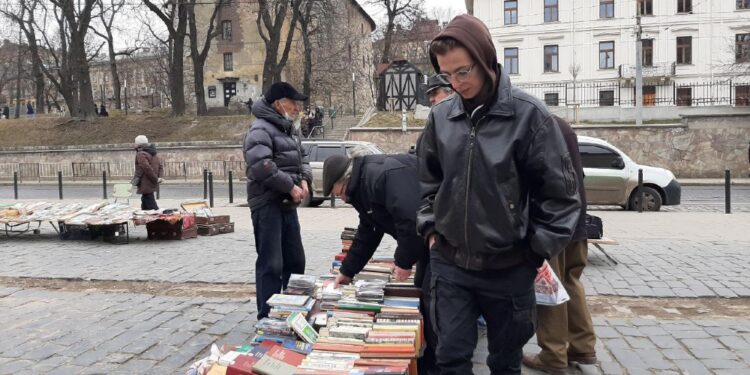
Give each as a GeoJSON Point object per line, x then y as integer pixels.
{"type": "Point", "coordinates": [533, 362]}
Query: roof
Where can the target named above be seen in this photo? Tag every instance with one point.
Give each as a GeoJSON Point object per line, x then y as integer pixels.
{"type": "Point", "coordinates": [369, 19]}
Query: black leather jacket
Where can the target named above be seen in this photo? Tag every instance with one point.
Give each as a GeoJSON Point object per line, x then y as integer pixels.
{"type": "Point", "coordinates": [497, 186]}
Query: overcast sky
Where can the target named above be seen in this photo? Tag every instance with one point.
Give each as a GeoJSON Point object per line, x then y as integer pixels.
{"type": "Point", "coordinates": [456, 7]}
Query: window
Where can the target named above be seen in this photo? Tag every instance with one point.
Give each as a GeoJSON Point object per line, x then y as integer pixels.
{"type": "Point", "coordinates": [511, 12]}
{"type": "Point", "coordinates": [211, 91]}
{"type": "Point", "coordinates": [684, 6]}
{"type": "Point", "coordinates": [647, 50]}
{"type": "Point", "coordinates": [646, 7]}
{"type": "Point", "coordinates": [684, 96]}
{"type": "Point", "coordinates": [552, 99]}
{"type": "Point", "coordinates": [511, 60]}
{"type": "Point", "coordinates": [550, 10]}
{"type": "Point", "coordinates": [606, 8]}
{"type": "Point", "coordinates": [606, 98]}
{"type": "Point", "coordinates": [607, 55]}
{"type": "Point", "coordinates": [649, 96]}
{"type": "Point", "coordinates": [226, 30]}
{"type": "Point", "coordinates": [324, 152]}
{"type": "Point", "coordinates": [743, 4]}
{"type": "Point", "coordinates": [742, 47]}
{"type": "Point", "coordinates": [228, 62]}
{"type": "Point", "coordinates": [742, 96]}
{"type": "Point", "coordinates": [551, 59]}
{"type": "Point", "coordinates": [684, 49]}
{"type": "Point", "coordinates": [598, 157]}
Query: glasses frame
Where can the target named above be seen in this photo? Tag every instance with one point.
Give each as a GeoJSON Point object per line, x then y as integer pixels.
{"type": "Point", "coordinates": [460, 76]}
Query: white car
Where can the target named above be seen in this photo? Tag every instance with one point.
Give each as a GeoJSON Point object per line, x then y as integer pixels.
{"type": "Point", "coordinates": [318, 151]}
{"type": "Point", "coordinates": [611, 178]}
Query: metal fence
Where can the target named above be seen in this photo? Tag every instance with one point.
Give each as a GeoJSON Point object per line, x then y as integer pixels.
{"type": "Point", "coordinates": [118, 170]}
{"type": "Point", "coordinates": [622, 93]}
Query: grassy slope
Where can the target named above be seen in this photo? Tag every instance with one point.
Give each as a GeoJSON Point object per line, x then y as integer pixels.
{"type": "Point", "coordinates": [56, 131]}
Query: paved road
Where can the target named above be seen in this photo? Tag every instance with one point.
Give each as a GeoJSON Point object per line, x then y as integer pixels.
{"type": "Point", "coordinates": [694, 198]}
{"type": "Point", "coordinates": [670, 254]}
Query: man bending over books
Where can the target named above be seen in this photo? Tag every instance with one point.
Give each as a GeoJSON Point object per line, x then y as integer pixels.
{"type": "Point", "coordinates": [385, 192]}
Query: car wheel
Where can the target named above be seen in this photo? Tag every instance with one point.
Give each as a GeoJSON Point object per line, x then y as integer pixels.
{"type": "Point", "coordinates": [651, 199]}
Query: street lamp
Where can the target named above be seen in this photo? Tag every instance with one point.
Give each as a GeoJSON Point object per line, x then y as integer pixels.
{"type": "Point", "coordinates": [354, 97]}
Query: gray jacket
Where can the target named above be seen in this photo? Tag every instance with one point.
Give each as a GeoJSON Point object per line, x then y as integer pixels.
{"type": "Point", "coordinates": [276, 160]}
{"type": "Point", "coordinates": [498, 186]}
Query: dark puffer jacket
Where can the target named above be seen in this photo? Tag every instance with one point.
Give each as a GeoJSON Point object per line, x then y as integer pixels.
{"type": "Point", "coordinates": [385, 192]}
{"type": "Point", "coordinates": [275, 158]}
{"type": "Point", "coordinates": [148, 168]}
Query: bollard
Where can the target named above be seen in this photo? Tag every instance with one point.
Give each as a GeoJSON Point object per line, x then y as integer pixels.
{"type": "Point", "coordinates": [333, 201]}
{"type": "Point", "coordinates": [104, 184]}
{"type": "Point", "coordinates": [158, 191]}
{"type": "Point", "coordinates": [211, 189]}
{"type": "Point", "coordinates": [15, 185]}
{"type": "Point", "coordinates": [205, 183]}
{"type": "Point", "coordinates": [59, 183]}
{"type": "Point", "coordinates": [231, 189]}
{"type": "Point", "coordinates": [727, 191]}
{"type": "Point", "coordinates": [640, 190]}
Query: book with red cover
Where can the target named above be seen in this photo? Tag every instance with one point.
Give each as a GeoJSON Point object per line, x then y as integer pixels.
{"type": "Point", "coordinates": [345, 348]}
{"type": "Point", "coordinates": [243, 365]}
{"type": "Point", "coordinates": [340, 256]}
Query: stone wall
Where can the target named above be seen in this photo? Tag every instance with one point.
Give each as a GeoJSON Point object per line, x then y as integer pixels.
{"type": "Point", "coordinates": [701, 147]}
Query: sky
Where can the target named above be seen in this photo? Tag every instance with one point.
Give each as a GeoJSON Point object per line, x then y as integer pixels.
{"type": "Point", "coordinates": [456, 6]}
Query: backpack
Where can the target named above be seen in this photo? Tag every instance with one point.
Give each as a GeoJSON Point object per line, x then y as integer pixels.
{"type": "Point", "coordinates": [594, 227]}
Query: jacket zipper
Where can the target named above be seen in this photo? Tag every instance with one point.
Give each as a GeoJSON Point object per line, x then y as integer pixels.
{"type": "Point", "coordinates": [472, 137]}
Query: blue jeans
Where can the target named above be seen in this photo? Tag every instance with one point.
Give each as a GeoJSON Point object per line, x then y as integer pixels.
{"type": "Point", "coordinates": [458, 297]}
{"type": "Point", "coordinates": [280, 253]}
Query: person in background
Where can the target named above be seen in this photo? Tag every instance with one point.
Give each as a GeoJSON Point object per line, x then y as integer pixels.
{"type": "Point", "coordinates": [148, 172]}
{"type": "Point", "coordinates": [566, 332]}
{"type": "Point", "coordinates": [103, 111]}
{"type": "Point", "coordinates": [29, 110]}
{"type": "Point", "coordinates": [438, 89]}
{"type": "Point", "coordinates": [499, 196]}
{"type": "Point", "coordinates": [278, 180]}
{"type": "Point", "coordinates": [385, 192]}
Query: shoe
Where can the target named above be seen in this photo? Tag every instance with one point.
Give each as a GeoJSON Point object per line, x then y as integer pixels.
{"type": "Point", "coordinates": [583, 359]}
{"type": "Point", "coordinates": [533, 362]}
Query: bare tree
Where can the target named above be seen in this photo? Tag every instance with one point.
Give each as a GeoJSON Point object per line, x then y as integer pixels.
{"type": "Point", "coordinates": [24, 17]}
{"type": "Point", "coordinates": [174, 15]}
{"type": "Point", "coordinates": [199, 55]}
{"type": "Point", "coordinates": [77, 18]}
{"type": "Point", "coordinates": [396, 11]}
{"type": "Point", "coordinates": [272, 15]}
{"type": "Point", "coordinates": [312, 15]}
{"type": "Point", "coordinates": [107, 15]}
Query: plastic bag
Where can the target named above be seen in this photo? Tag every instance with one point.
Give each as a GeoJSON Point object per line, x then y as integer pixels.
{"type": "Point", "coordinates": [549, 290]}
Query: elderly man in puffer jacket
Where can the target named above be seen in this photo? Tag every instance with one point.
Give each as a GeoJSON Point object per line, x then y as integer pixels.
{"type": "Point", "coordinates": [278, 179]}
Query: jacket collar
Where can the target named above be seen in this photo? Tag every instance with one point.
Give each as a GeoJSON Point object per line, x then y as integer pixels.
{"type": "Point", "coordinates": [353, 188]}
{"type": "Point", "coordinates": [501, 105]}
{"type": "Point", "coordinates": [263, 110]}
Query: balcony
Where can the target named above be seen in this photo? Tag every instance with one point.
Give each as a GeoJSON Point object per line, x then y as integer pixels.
{"type": "Point", "coordinates": [655, 71]}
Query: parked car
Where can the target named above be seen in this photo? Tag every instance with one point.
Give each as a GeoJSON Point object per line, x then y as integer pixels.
{"type": "Point", "coordinates": [612, 178]}
{"type": "Point", "coordinates": [319, 151]}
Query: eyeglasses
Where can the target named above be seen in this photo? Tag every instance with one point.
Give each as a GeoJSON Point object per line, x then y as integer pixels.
{"type": "Point", "coordinates": [460, 76]}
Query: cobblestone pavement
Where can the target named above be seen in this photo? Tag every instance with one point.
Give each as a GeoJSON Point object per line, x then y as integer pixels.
{"type": "Point", "coordinates": [668, 254]}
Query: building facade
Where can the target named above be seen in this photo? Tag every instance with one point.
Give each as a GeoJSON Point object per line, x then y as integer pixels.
{"type": "Point", "coordinates": [694, 53]}
{"type": "Point", "coordinates": [342, 66]}
{"type": "Point", "coordinates": [143, 82]}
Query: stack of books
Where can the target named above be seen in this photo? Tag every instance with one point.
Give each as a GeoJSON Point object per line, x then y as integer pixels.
{"type": "Point", "coordinates": [283, 305]}
{"type": "Point", "coordinates": [303, 285]}
{"type": "Point", "coordinates": [347, 238]}
{"type": "Point", "coordinates": [370, 290]}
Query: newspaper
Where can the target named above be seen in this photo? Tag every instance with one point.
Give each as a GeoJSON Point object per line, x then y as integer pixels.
{"type": "Point", "coordinates": [549, 290]}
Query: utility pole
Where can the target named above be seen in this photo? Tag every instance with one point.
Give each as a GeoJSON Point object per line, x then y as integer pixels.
{"type": "Point", "coordinates": [354, 97]}
{"type": "Point", "coordinates": [18, 78]}
{"type": "Point", "coordinates": [638, 71]}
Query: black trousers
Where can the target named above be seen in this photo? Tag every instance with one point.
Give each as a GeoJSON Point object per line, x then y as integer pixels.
{"type": "Point", "coordinates": [426, 364]}
{"type": "Point", "coordinates": [280, 253]}
{"type": "Point", "coordinates": [148, 202]}
{"type": "Point", "coordinates": [504, 297]}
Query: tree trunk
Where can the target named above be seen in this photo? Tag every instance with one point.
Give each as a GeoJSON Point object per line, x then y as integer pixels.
{"type": "Point", "coordinates": [116, 85]}
{"type": "Point", "coordinates": [200, 97]}
{"type": "Point", "coordinates": [386, 58]}
{"type": "Point", "coordinates": [308, 62]}
{"type": "Point", "coordinates": [270, 74]}
{"type": "Point", "coordinates": [86, 106]}
{"type": "Point", "coordinates": [176, 74]}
